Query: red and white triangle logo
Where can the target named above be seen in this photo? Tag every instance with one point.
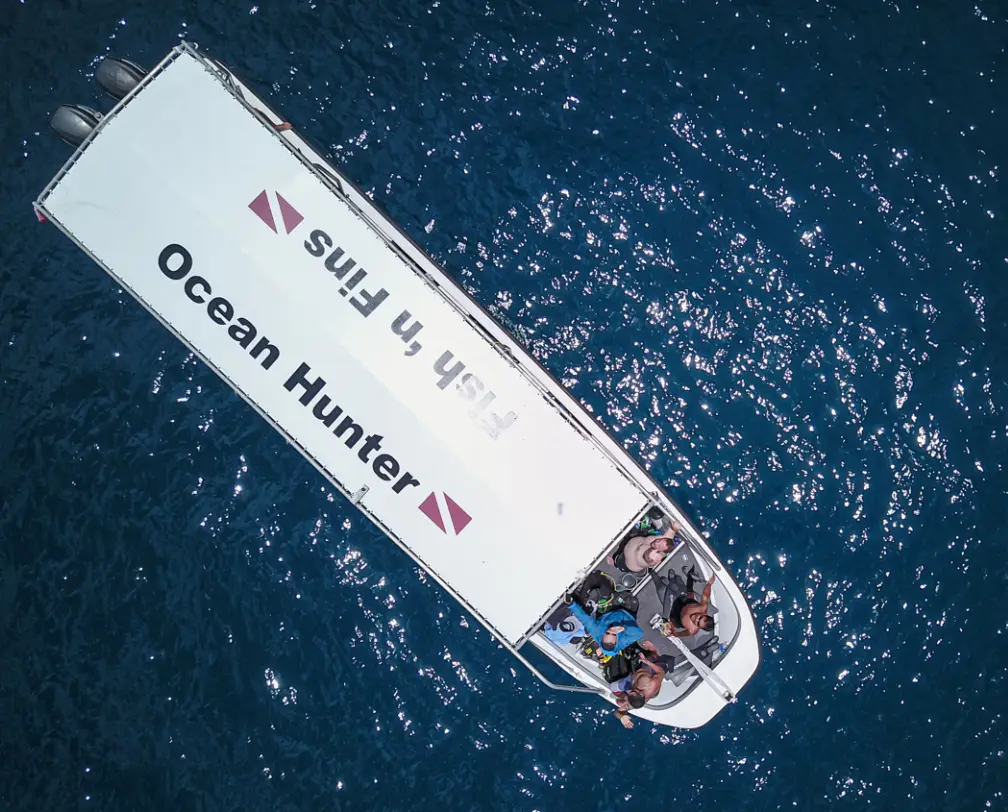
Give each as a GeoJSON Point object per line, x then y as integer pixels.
{"type": "Point", "coordinates": [262, 207]}
{"type": "Point", "coordinates": [431, 507]}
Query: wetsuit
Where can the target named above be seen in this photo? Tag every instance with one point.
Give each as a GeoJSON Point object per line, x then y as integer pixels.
{"type": "Point", "coordinates": [596, 587]}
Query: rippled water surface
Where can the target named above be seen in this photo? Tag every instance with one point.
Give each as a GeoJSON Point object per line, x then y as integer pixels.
{"type": "Point", "coordinates": [764, 241]}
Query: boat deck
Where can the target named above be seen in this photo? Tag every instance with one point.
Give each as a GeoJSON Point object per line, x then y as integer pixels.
{"type": "Point", "coordinates": [706, 645]}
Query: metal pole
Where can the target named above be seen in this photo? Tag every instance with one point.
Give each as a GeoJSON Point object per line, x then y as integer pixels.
{"type": "Point", "coordinates": [581, 689]}
{"type": "Point", "coordinates": [705, 673]}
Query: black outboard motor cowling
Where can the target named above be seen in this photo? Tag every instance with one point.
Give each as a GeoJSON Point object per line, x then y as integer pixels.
{"type": "Point", "coordinates": [74, 122]}
{"type": "Point", "coordinates": [118, 76]}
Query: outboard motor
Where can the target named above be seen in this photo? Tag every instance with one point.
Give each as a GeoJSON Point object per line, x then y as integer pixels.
{"type": "Point", "coordinates": [74, 122]}
{"type": "Point", "coordinates": [118, 76]}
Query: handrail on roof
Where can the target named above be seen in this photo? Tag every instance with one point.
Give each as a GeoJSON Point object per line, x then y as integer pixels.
{"type": "Point", "coordinates": [581, 689]}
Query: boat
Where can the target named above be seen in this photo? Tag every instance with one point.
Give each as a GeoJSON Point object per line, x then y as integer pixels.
{"type": "Point", "coordinates": [286, 279]}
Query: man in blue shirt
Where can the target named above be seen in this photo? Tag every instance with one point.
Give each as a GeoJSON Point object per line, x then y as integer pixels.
{"type": "Point", "coordinates": [613, 631]}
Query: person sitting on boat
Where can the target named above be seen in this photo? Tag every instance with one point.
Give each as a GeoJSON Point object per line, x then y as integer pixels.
{"type": "Point", "coordinates": [640, 687]}
{"type": "Point", "coordinates": [644, 683]}
{"type": "Point", "coordinates": [686, 612]}
{"type": "Point", "coordinates": [641, 552]}
{"type": "Point", "coordinates": [613, 631]}
{"type": "Point", "coordinates": [634, 693]}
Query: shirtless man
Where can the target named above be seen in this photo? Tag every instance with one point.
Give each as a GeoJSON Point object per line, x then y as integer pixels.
{"type": "Point", "coordinates": [642, 552]}
{"type": "Point", "coordinates": [641, 687]}
{"type": "Point", "coordinates": [688, 615]}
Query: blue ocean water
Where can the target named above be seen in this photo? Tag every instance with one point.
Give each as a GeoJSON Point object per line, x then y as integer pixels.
{"type": "Point", "coordinates": [764, 241]}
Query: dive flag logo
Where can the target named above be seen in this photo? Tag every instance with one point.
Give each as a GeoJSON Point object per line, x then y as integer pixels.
{"type": "Point", "coordinates": [431, 507]}
{"type": "Point", "coordinates": [262, 207]}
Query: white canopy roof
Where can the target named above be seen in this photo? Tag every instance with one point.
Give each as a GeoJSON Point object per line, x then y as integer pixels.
{"type": "Point", "coordinates": [204, 214]}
